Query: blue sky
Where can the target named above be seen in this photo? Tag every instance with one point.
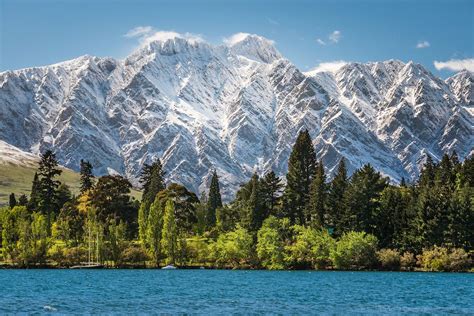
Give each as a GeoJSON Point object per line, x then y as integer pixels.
{"type": "Point", "coordinates": [34, 33]}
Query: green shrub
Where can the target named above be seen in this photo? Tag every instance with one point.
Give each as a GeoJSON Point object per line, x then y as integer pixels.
{"type": "Point", "coordinates": [233, 249]}
{"type": "Point", "coordinates": [311, 247]}
{"type": "Point", "coordinates": [407, 261]}
{"type": "Point", "coordinates": [355, 250]}
{"type": "Point", "coordinates": [459, 260]}
{"type": "Point", "coordinates": [434, 259]}
{"type": "Point", "coordinates": [134, 255]}
{"type": "Point", "coordinates": [389, 259]}
{"type": "Point", "coordinates": [271, 243]}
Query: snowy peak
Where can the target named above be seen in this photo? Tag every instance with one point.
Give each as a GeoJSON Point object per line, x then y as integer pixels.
{"type": "Point", "coordinates": [253, 47]}
{"type": "Point", "coordinates": [236, 107]}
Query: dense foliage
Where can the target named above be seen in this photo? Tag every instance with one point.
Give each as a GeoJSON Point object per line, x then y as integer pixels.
{"type": "Point", "coordinates": [360, 221]}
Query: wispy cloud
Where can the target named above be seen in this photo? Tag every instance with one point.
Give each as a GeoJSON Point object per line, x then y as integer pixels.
{"type": "Point", "coordinates": [147, 34]}
{"type": "Point", "coordinates": [321, 42]}
{"type": "Point", "coordinates": [330, 66]}
{"type": "Point", "coordinates": [139, 31]}
{"type": "Point", "coordinates": [456, 64]}
{"type": "Point", "coordinates": [335, 36]}
{"type": "Point", "coordinates": [272, 21]}
{"type": "Point", "coordinates": [423, 44]}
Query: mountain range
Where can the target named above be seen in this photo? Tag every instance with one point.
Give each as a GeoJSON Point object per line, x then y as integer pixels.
{"type": "Point", "coordinates": [236, 108]}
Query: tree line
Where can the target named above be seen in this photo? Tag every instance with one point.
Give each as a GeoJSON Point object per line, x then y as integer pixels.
{"type": "Point", "coordinates": [360, 221]}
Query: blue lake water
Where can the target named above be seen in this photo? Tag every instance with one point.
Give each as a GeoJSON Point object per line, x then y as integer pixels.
{"type": "Point", "coordinates": [230, 292]}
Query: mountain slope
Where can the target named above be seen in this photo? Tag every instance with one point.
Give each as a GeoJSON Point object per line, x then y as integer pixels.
{"type": "Point", "coordinates": [236, 107]}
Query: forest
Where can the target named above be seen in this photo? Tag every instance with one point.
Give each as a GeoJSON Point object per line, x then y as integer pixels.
{"type": "Point", "coordinates": [305, 221]}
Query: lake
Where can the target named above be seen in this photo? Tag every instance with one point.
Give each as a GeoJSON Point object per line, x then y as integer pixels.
{"type": "Point", "coordinates": [230, 292]}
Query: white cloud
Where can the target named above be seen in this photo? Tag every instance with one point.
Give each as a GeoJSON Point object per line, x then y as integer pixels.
{"type": "Point", "coordinates": [147, 34]}
{"type": "Point", "coordinates": [423, 44]}
{"type": "Point", "coordinates": [330, 66]}
{"type": "Point", "coordinates": [335, 36]}
{"type": "Point", "coordinates": [239, 37]}
{"type": "Point", "coordinates": [139, 31]}
{"type": "Point", "coordinates": [456, 64]}
{"type": "Point", "coordinates": [272, 21]}
{"type": "Point", "coordinates": [321, 42]}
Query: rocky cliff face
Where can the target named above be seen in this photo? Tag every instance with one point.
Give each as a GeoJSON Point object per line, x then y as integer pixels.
{"type": "Point", "coordinates": [236, 108]}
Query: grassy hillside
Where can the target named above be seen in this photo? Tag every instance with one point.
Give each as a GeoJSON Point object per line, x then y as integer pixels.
{"type": "Point", "coordinates": [17, 179]}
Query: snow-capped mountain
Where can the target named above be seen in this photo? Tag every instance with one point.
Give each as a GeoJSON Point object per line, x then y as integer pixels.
{"type": "Point", "coordinates": [236, 107]}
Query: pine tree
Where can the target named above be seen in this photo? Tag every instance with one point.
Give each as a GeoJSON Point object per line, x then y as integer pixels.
{"type": "Point", "coordinates": [271, 187]}
{"type": "Point", "coordinates": [87, 177]}
{"type": "Point", "coordinates": [445, 174]}
{"type": "Point", "coordinates": [337, 189]}
{"type": "Point", "coordinates": [301, 168]}
{"type": "Point", "coordinates": [12, 200]}
{"type": "Point", "coordinates": [23, 200]}
{"type": "Point", "coordinates": [316, 211]}
{"type": "Point", "coordinates": [362, 199]}
{"type": "Point", "coordinates": [47, 172]}
{"type": "Point", "coordinates": [214, 200]}
{"type": "Point", "coordinates": [35, 194]}
{"type": "Point", "coordinates": [427, 175]}
{"type": "Point", "coordinates": [254, 206]}
{"type": "Point", "coordinates": [169, 237]}
{"type": "Point", "coordinates": [153, 182]}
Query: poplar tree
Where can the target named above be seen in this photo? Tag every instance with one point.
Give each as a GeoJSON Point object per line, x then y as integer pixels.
{"type": "Point", "coordinates": [169, 237]}
{"type": "Point", "coordinates": [154, 231]}
{"type": "Point", "coordinates": [214, 200]}
{"type": "Point", "coordinates": [301, 168]}
{"type": "Point", "coordinates": [152, 179]}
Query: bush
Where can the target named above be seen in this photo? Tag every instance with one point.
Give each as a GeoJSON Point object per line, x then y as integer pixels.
{"type": "Point", "coordinates": [74, 256]}
{"type": "Point", "coordinates": [389, 259]}
{"type": "Point", "coordinates": [407, 261]}
{"type": "Point", "coordinates": [311, 247]}
{"type": "Point", "coordinates": [233, 248]}
{"type": "Point", "coordinates": [134, 255]}
{"type": "Point", "coordinates": [459, 260]}
{"type": "Point", "coordinates": [271, 243]}
{"type": "Point", "coordinates": [355, 250]}
{"type": "Point", "coordinates": [442, 259]}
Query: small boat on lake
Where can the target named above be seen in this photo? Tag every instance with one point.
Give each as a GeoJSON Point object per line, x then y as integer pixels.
{"type": "Point", "coordinates": [88, 266]}
{"type": "Point", "coordinates": [169, 267]}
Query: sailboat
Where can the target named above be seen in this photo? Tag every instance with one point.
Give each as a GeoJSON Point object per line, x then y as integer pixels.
{"type": "Point", "coordinates": [90, 264]}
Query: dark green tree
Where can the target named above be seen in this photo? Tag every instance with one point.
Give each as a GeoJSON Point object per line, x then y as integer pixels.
{"type": "Point", "coordinates": [427, 175]}
{"type": "Point", "coordinates": [254, 213]}
{"type": "Point", "coordinates": [362, 199]}
{"type": "Point", "coordinates": [336, 205]}
{"type": "Point", "coordinates": [316, 211]}
{"type": "Point", "coordinates": [33, 203]}
{"type": "Point", "coordinates": [87, 177]}
{"type": "Point", "coordinates": [270, 188]}
{"type": "Point", "coordinates": [12, 200]}
{"type": "Point", "coordinates": [301, 168]}
{"type": "Point", "coordinates": [23, 200]}
{"type": "Point", "coordinates": [111, 199]}
{"type": "Point", "coordinates": [48, 198]}
{"type": "Point", "coordinates": [214, 200]}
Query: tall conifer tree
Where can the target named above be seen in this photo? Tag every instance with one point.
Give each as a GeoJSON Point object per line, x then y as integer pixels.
{"type": "Point", "coordinates": [214, 200]}
{"type": "Point", "coordinates": [337, 189]}
{"type": "Point", "coordinates": [316, 211]}
{"type": "Point", "coordinates": [87, 176]}
{"type": "Point", "coordinates": [301, 169]}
